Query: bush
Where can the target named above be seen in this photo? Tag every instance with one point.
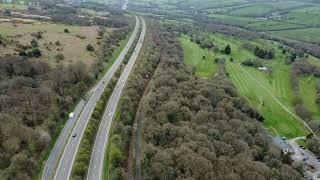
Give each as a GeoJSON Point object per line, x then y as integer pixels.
{"type": "Point", "coordinates": [66, 30]}
{"type": "Point", "coordinates": [37, 35]}
{"type": "Point", "coordinates": [34, 43]}
{"type": "Point", "coordinates": [303, 112]}
{"type": "Point", "coordinates": [22, 53]}
{"type": "Point", "coordinates": [313, 144]}
{"type": "Point", "coordinates": [33, 53]}
{"type": "Point", "coordinates": [57, 43]}
{"type": "Point", "coordinates": [90, 47]}
{"type": "Point", "coordinates": [253, 63]}
{"type": "Point", "coordinates": [36, 52]}
{"type": "Point", "coordinates": [265, 54]}
{"type": "Point", "coordinates": [59, 57]}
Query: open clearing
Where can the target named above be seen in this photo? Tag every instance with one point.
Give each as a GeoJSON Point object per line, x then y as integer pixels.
{"type": "Point", "coordinates": [193, 56]}
{"type": "Point", "coordinates": [72, 45]}
{"type": "Point", "coordinates": [277, 120]}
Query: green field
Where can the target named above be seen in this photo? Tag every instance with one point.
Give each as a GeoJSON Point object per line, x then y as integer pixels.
{"type": "Point", "coordinates": [289, 18]}
{"type": "Point", "coordinates": [256, 10]}
{"type": "Point", "coordinates": [234, 20]}
{"type": "Point", "coordinates": [307, 35]}
{"type": "Point", "coordinates": [292, 19]}
{"type": "Point", "coordinates": [193, 56]}
{"type": "Point", "coordinates": [273, 25]}
{"type": "Point", "coordinates": [278, 120]}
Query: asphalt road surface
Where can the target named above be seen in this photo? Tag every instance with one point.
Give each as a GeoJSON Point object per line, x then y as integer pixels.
{"type": "Point", "coordinates": [95, 171]}
{"type": "Point", "coordinates": [61, 141]}
{"type": "Point", "coordinates": [67, 159]}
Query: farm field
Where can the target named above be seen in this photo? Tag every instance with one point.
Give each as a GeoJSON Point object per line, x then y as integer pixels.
{"type": "Point", "coordinates": [234, 20]}
{"type": "Point", "coordinates": [252, 84]}
{"type": "Point", "coordinates": [54, 40]}
{"type": "Point", "coordinates": [307, 35]}
{"type": "Point", "coordinates": [274, 25]}
{"type": "Point", "coordinates": [288, 19]}
{"type": "Point", "coordinates": [252, 11]}
{"type": "Point", "coordinates": [298, 20]}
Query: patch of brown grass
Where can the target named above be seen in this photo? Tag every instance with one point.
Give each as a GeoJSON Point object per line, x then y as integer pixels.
{"type": "Point", "coordinates": [71, 46]}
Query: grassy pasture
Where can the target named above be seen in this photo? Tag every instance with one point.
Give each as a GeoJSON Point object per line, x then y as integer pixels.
{"type": "Point", "coordinates": [72, 46]}
{"type": "Point", "coordinates": [255, 10]}
{"type": "Point", "coordinates": [308, 35]}
{"type": "Point", "coordinates": [278, 120]}
{"type": "Point", "coordinates": [193, 55]}
{"type": "Point", "coordinates": [274, 25]}
{"type": "Point", "coordinates": [234, 20]}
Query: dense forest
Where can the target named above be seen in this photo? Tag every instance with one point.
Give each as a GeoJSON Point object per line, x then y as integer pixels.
{"type": "Point", "coordinates": [35, 99]}
{"type": "Point", "coordinates": [200, 128]}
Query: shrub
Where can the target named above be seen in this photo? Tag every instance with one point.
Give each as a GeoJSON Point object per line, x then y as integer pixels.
{"type": "Point", "coordinates": [36, 52]}
{"type": "Point", "coordinates": [59, 57]}
{"type": "Point", "coordinates": [303, 112]}
{"type": "Point", "coordinates": [254, 63]}
{"type": "Point", "coordinates": [33, 53]}
{"type": "Point", "coordinates": [265, 54]}
{"type": "Point", "coordinates": [37, 35]}
{"type": "Point", "coordinates": [58, 43]}
{"type": "Point", "coordinates": [22, 53]}
{"type": "Point", "coordinates": [34, 43]}
{"type": "Point", "coordinates": [90, 47]}
{"type": "Point", "coordinates": [66, 30]}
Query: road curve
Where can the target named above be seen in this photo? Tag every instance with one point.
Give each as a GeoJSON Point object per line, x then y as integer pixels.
{"type": "Point", "coordinates": [67, 159]}
{"type": "Point", "coordinates": [101, 141]}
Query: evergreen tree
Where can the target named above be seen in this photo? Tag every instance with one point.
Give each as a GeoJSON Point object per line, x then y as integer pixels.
{"type": "Point", "coordinates": [227, 50]}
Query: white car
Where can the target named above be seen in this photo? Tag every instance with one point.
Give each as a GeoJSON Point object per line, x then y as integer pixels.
{"type": "Point", "coordinates": [71, 115]}
{"type": "Point", "coordinates": [110, 114]}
